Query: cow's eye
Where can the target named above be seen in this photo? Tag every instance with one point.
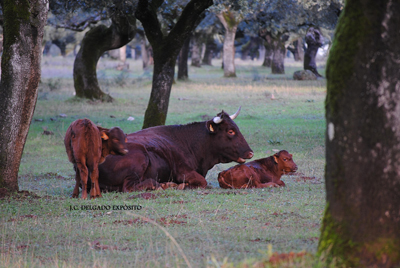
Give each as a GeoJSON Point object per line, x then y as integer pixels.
{"type": "Point", "coordinates": [285, 159]}
{"type": "Point", "coordinates": [231, 132]}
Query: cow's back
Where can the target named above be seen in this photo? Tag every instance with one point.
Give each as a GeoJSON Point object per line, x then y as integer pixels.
{"type": "Point", "coordinates": [83, 142]}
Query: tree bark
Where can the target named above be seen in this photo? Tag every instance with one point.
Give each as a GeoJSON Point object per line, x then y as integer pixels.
{"type": "Point", "coordinates": [314, 40]}
{"type": "Point", "coordinates": [229, 42]}
{"type": "Point", "coordinates": [361, 225]}
{"type": "Point", "coordinates": [196, 50]}
{"type": "Point", "coordinates": [268, 44]}
{"type": "Point", "coordinates": [209, 52]}
{"type": "Point", "coordinates": [278, 57]}
{"type": "Point", "coordinates": [297, 49]}
{"type": "Point", "coordinates": [24, 22]}
{"type": "Point", "coordinates": [164, 63]}
{"type": "Point", "coordinates": [183, 61]}
{"type": "Point", "coordinates": [97, 41]}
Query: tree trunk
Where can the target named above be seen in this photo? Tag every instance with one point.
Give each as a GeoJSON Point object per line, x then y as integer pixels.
{"type": "Point", "coordinates": [314, 40]}
{"type": "Point", "coordinates": [278, 58]}
{"type": "Point", "coordinates": [146, 51]}
{"type": "Point", "coordinates": [24, 22]}
{"type": "Point", "coordinates": [361, 225]}
{"type": "Point", "coordinates": [268, 57]}
{"type": "Point", "coordinates": [209, 52]}
{"type": "Point", "coordinates": [183, 61]}
{"type": "Point", "coordinates": [94, 44]}
{"type": "Point", "coordinates": [229, 43]}
{"type": "Point", "coordinates": [164, 63]}
{"type": "Point", "coordinates": [196, 53]}
{"type": "Point", "coordinates": [268, 44]}
{"type": "Point", "coordinates": [297, 49]}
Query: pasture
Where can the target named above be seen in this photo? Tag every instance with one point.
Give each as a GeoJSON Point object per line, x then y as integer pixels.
{"type": "Point", "coordinates": [206, 227]}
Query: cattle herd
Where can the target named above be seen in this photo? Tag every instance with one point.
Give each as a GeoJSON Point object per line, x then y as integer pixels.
{"type": "Point", "coordinates": [177, 156]}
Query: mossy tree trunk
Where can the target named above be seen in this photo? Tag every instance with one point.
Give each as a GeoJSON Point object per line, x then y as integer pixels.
{"type": "Point", "coordinates": [361, 225]}
{"type": "Point", "coordinates": [24, 22]}
{"type": "Point", "coordinates": [165, 51]}
{"type": "Point", "coordinates": [314, 40]}
{"type": "Point", "coordinates": [230, 24]}
{"type": "Point", "coordinates": [97, 41]}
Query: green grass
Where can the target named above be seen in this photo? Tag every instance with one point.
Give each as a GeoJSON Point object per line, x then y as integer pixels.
{"type": "Point", "coordinates": [213, 227]}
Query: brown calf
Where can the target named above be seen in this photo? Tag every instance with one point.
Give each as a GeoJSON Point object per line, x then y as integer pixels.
{"type": "Point", "coordinates": [260, 173]}
{"type": "Point", "coordinates": [87, 145]}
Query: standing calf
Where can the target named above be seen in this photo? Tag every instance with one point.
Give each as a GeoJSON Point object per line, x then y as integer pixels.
{"type": "Point", "coordinates": [87, 146]}
{"type": "Point", "coordinates": [260, 173]}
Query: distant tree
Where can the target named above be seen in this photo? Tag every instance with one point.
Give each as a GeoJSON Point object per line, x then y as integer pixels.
{"type": "Point", "coordinates": [23, 24]}
{"type": "Point", "coordinates": [77, 16]}
{"type": "Point", "coordinates": [361, 224]}
{"type": "Point", "coordinates": [166, 47]}
{"type": "Point", "coordinates": [314, 40]}
{"type": "Point", "coordinates": [97, 41]}
{"type": "Point", "coordinates": [279, 18]}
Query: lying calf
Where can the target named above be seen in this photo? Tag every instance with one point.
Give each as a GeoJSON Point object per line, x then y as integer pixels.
{"type": "Point", "coordinates": [87, 146]}
{"type": "Point", "coordinates": [260, 173]}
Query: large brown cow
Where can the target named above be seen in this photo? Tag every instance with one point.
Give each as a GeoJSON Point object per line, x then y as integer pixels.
{"type": "Point", "coordinates": [87, 145]}
{"type": "Point", "coordinates": [260, 173]}
{"type": "Point", "coordinates": [176, 153]}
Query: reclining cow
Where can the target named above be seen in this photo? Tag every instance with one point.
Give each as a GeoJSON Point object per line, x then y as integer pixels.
{"type": "Point", "coordinates": [181, 154]}
{"type": "Point", "coordinates": [87, 145]}
{"type": "Point", "coordinates": [260, 173]}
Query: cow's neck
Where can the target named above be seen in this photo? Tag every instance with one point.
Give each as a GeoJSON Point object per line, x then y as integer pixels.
{"type": "Point", "coordinates": [195, 141]}
{"type": "Point", "coordinates": [270, 164]}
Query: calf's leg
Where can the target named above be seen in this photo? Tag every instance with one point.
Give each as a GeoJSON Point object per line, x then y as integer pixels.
{"type": "Point", "coordinates": [83, 171]}
{"type": "Point", "coordinates": [75, 193]}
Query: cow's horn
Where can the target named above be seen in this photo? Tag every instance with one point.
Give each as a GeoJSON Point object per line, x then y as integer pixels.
{"type": "Point", "coordinates": [217, 120]}
{"type": "Point", "coordinates": [236, 114]}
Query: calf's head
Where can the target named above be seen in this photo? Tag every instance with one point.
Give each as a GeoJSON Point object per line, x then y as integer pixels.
{"type": "Point", "coordinates": [227, 142]}
{"type": "Point", "coordinates": [115, 140]}
{"type": "Point", "coordinates": [285, 161]}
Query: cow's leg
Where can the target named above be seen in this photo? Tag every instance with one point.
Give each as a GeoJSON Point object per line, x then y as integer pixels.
{"type": "Point", "coordinates": [192, 179]}
{"type": "Point", "coordinates": [145, 185]}
{"type": "Point", "coordinates": [75, 193]}
{"type": "Point", "coordinates": [83, 171]}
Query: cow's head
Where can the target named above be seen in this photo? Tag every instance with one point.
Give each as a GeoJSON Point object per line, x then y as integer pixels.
{"type": "Point", "coordinates": [285, 162]}
{"type": "Point", "coordinates": [227, 141]}
{"type": "Point", "coordinates": [115, 139]}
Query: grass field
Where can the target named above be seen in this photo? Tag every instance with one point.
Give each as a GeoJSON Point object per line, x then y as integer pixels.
{"type": "Point", "coordinates": [198, 228]}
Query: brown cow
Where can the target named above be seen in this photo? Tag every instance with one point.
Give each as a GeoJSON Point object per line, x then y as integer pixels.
{"type": "Point", "coordinates": [260, 173]}
{"type": "Point", "coordinates": [181, 154]}
{"type": "Point", "coordinates": [87, 145]}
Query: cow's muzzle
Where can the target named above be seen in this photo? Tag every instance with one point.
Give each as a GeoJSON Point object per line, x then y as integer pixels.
{"type": "Point", "coordinates": [248, 155]}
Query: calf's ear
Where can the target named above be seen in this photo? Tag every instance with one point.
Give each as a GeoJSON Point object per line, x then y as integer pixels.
{"type": "Point", "coordinates": [104, 135]}
{"type": "Point", "coordinates": [276, 157]}
{"type": "Point", "coordinates": [210, 126]}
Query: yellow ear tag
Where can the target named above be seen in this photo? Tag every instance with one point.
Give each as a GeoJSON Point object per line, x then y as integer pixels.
{"type": "Point", "coordinates": [104, 136]}
{"type": "Point", "coordinates": [211, 128]}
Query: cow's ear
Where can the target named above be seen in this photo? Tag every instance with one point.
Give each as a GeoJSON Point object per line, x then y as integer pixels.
{"type": "Point", "coordinates": [276, 157]}
{"type": "Point", "coordinates": [104, 135]}
{"type": "Point", "coordinates": [210, 126]}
